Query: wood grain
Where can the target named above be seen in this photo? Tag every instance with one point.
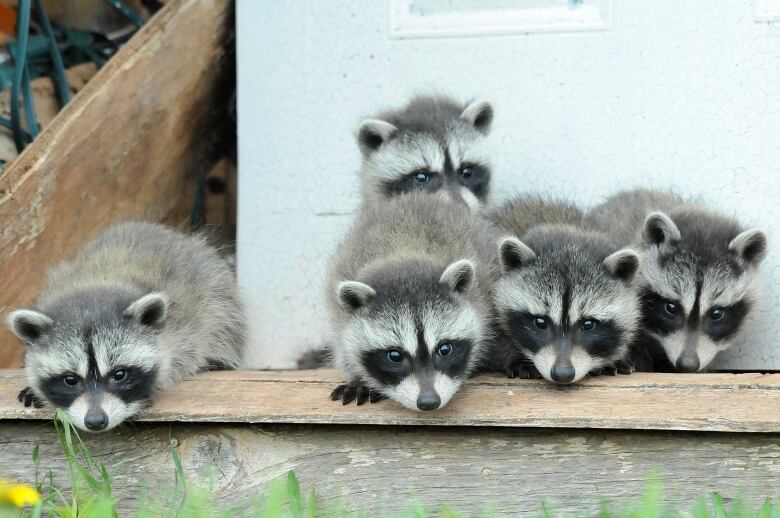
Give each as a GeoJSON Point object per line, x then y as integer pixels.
{"type": "Point", "coordinates": [704, 402]}
{"type": "Point", "coordinates": [126, 146]}
{"type": "Point", "coordinates": [382, 469]}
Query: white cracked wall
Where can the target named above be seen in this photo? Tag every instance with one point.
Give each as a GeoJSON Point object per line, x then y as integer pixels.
{"type": "Point", "coordinates": [671, 94]}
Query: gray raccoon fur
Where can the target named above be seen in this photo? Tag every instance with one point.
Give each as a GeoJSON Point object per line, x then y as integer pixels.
{"type": "Point", "coordinates": [564, 301]}
{"type": "Point", "coordinates": [140, 297]}
{"type": "Point", "coordinates": [434, 144]}
{"type": "Point", "coordinates": [412, 274]}
{"type": "Point", "coordinates": [699, 278]}
{"type": "Point", "coordinates": [519, 214]}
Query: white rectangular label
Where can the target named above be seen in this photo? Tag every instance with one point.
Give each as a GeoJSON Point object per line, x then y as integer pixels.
{"type": "Point", "coordinates": [441, 18]}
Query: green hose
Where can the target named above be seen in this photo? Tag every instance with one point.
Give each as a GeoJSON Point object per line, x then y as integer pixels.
{"type": "Point", "coordinates": [22, 34]}
{"type": "Point", "coordinates": [60, 78]}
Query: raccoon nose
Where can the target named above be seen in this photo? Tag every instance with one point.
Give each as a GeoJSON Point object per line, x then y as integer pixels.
{"type": "Point", "coordinates": [428, 401]}
{"type": "Point", "coordinates": [96, 420]}
{"type": "Point", "coordinates": [562, 372]}
{"type": "Point", "coordinates": [687, 364]}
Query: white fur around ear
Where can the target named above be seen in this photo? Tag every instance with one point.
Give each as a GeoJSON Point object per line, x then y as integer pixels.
{"type": "Point", "coordinates": [514, 254]}
{"type": "Point", "coordinates": [480, 115]}
{"type": "Point", "coordinates": [149, 310]}
{"type": "Point", "coordinates": [353, 295]}
{"type": "Point", "coordinates": [372, 133]}
{"type": "Point", "coordinates": [622, 264]}
{"type": "Point", "coordinates": [749, 247]}
{"type": "Point", "coordinates": [28, 325]}
{"type": "Point", "coordinates": [458, 276]}
{"type": "Point", "coordinates": [660, 229]}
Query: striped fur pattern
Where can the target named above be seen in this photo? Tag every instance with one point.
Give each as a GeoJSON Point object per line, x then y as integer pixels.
{"type": "Point", "coordinates": [700, 277]}
{"type": "Point", "coordinates": [434, 144]}
{"type": "Point", "coordinates": [138, 309]}
{"type": "Point", "coordinates": [565, 299]}
{"type": "Point", "coordinates": [408, 294]}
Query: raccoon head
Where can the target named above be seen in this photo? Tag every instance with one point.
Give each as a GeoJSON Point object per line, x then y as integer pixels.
{"type": "Point", "coordinates": [413, 334]}
{"type": "Point", "coordinates": [93, 354]}
{"type": "Point", "coordinates": [699, 281]}
{"type": "Point", "coordinates": [434, 144]}
{"type": "Point", "coordinates": [565, 304]}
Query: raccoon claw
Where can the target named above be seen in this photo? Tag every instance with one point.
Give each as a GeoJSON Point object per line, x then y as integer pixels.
{"type": "Point", "coordinates": [348, 393]}
{"type": "Point", "coordinates": [522, 371]}
{"type": "Point", "coordinates": [28, 398]}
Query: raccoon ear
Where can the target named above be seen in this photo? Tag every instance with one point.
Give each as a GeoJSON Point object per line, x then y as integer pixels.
{"type": "Point", "coordinates": [480, 115]}
{"type": "Point", "coordinates": [514, 254]}
{"type": "Point", "coordinates": [660, 229]}
{"type": "Point", "coordinates": [372, 133]}
{"type": "Point", "coordinates": [749, 247]}
{"type": "Point", "coordinates": [149, 310]}
{"type": "Point", "coordinates": [353, 295]}
{"type": "Point", "coordinates": [623, 264]}
{"type": "Point", "coordinates": [458, 276]}
{"type": "Point", "coordinates": [28, 325]}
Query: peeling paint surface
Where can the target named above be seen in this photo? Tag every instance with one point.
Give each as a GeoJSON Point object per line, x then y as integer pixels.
{"type": "Point", "coordinates": [673, 94]}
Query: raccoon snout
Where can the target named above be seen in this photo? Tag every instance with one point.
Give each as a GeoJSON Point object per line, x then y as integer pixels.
{"type": "Point", "coordinates": [428, 401]}
{"type": "Point", "coordinates": [96, 420]}
{"type": "Point", "coordinates": [687, 364]}
{"type": "Point", "coordinates": [562, 372]}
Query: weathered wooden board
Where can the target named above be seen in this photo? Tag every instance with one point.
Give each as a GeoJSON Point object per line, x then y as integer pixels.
{"type": "Point", "coordinates": [381, 469]}
{"type": "Point", "coordinates": [707, 402]}
{"type": "Point", "coordinates": [125, 146]}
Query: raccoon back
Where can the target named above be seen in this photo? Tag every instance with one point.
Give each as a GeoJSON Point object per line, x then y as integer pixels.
{"type": "Point", "coordinates": [205, 324]}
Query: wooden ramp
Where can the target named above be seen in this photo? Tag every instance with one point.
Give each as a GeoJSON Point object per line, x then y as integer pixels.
{"type": "Point", "coordinates": [642, 401]}
{"type": "Point", "coordinates": [502, 443]}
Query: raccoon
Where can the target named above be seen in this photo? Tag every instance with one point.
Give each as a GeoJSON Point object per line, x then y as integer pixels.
{"type": "Point", "coordinates": [564, 299]}
{"type": "Point", "coordinates": [138, 309]}
{"type": "Point", "coordinates": [699, 278]}
{"type": "Point", "coordinates": [409, 299]}
{"type": "Point", "coordinates": [433, 144]}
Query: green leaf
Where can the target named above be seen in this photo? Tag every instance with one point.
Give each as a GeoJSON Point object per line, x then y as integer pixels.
{"type": "Point", "coordinates": [294, 496]}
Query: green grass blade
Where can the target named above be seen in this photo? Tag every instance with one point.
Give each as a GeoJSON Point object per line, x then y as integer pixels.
{"type": "Point", "coordinates": [294, 496]}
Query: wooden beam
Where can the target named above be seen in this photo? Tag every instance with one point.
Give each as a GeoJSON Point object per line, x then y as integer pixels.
{"type": "Point", "coordinates": [381, 470]}
{"type": "Point", "coordinates": [642, 401]}
{"type": "Point", "coordinates": [126, 146]}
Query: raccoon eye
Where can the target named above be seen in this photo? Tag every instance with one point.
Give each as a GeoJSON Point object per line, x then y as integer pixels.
{"type": "Point", "coordinates": [466, 171]}
{"type": "Point", "coordinates": [672, 308]}
{"type": "Point", "coordinates": [540, 322]}
{"type": "Point", "coordinates": [394, 355]}
{"type": "Point", "coordinates": [70, 379]}
{"type": "Point", "coordinates": [119, 375]}
{"type": "Point", "coordinates": [717, 313]}
{"type": "Point", "coordinates": [444, 349]}
{"type": "Point", "coordinates": [587, 325]}
{"type": "Point", "coordinates": [421, 176]}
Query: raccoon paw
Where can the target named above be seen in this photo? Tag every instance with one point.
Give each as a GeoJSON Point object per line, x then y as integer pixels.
{"type": "Point", "coordinates": [609, 370]}
{"type": "Point", "coordinates": [624, 367]}
{"type": "Point", "coordinates": [350, 392]}
{"type": "Point", "coordinates": [29, 398]}
{"type": "Point", "coordinates": [522, 370]}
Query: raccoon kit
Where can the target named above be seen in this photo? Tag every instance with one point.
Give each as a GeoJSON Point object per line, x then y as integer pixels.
{"type": "Point", "coordinates": [564, 300]}
{"type": "Point", "coordinates": [140, 308]}
{"type": "Point", "coordinates": [699, 278]}
{"type": "Point", "coordinates": [433, 144]}
{"type": "Point", "coordinates": [408, 294]}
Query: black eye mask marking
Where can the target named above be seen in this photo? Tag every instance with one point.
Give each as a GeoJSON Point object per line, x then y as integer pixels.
{"type": "Point", "coordinates": [476, 180]}
{"type": "Point", "coordinates": [138, 384]}
{"type": "Point", "coordinates": [523, 331]}
{"type": "Point", "coordinates": [409, 183]}
{"type": "Point", "coordinates": [455, 363]}
{"type": "Point", "coordinates": [655, 316]}
{"type": "Point", "coordinates": [602, 340]}
{"type": "Point", "coordinates": [383, 369]}
{"type": "Point", "coordinates": [729, 324]}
